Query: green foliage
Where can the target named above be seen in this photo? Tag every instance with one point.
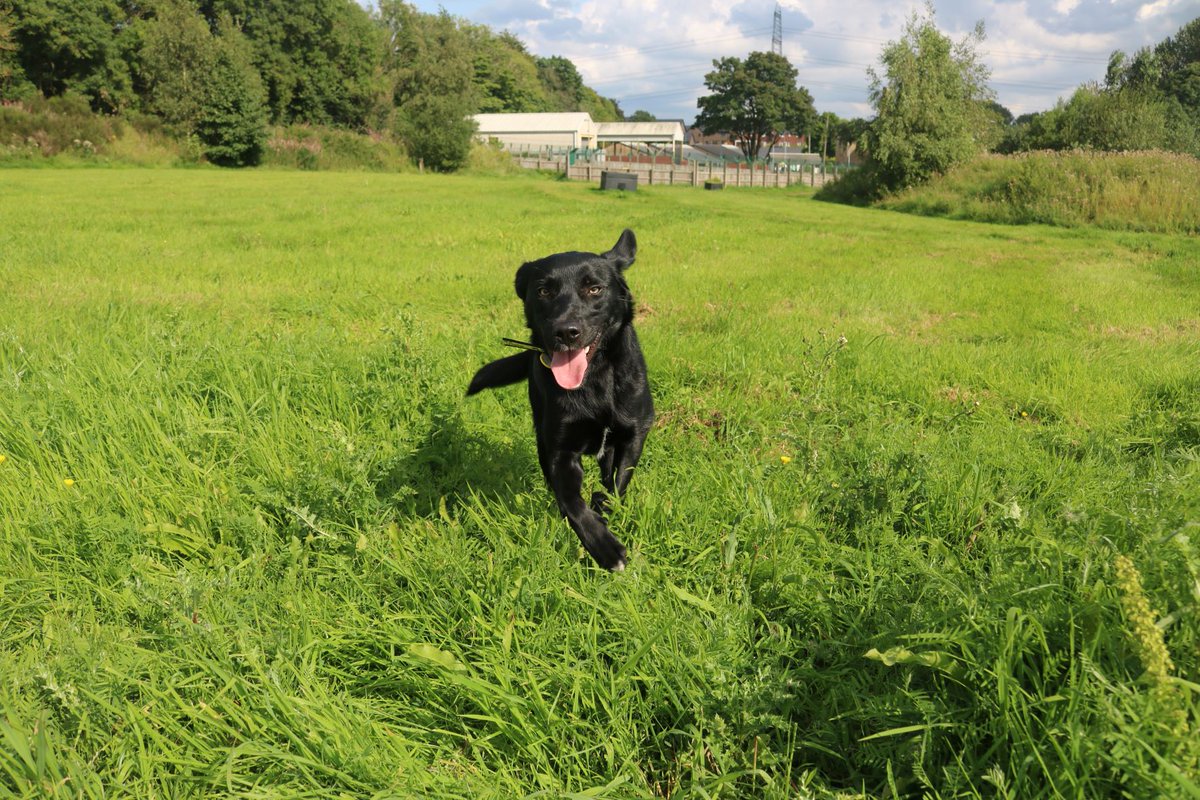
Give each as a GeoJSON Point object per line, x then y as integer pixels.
{"type": "Point", "coordinates": [292, 561]}
{"type": "Point", "coordinates": [1171, 70]}
{"type": "Point", "coordinates": [317, 58]}
{"type": "Point", "coordinates": [178, 59]}
{"type": "Point", "coordinates": [13, 85]}
{"type": "Point", "coordinates": [1149, 101]}
{"type": "Point", "coordinates": [506, 76]}
{"type": "Point", "coordinates": [430, 68]}
{"type": "Point", "coordinates": [641, 116]}
{"type": "Point", "coordinates": [319, 62]}
{"type": "Point", "coordinates": [929, 104]}
{"type": "Point", "coordinates": [314, 148]}
{"type": "Point", "coordinates": [1120, 191]}
{"type": "Point", "coordinates": [562, 82]}
{"type": "Point", "coordinates": [756, 100]}
{"type": "Point", "coordinates": [565, 91]}
{"type": "Point", "coordinates": [1107, 119]}
{"type": "Point", "coordinates": [65, 125]}
{"type": "Point", "coordinates": [80, 46]}
{"type": "Point", "coordinates": [232, 122]}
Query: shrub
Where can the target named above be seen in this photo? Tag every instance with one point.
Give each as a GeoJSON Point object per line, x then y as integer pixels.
{"type": "Point", "coordinates": [233, 115]}
{"type": "Point", "coordinates": [314, 148]}
{"type": "Point", "coordinates": [66, 124]}
{"type": "Point", "coordinates": [1145, 191]}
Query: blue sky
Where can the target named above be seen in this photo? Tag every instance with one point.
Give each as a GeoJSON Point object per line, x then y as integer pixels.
{"type": "Point", "coordinates": [653, 54]}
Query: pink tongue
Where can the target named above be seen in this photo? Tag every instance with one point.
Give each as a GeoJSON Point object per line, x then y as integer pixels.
{"type": "Point", "coordinates": [568, 367]}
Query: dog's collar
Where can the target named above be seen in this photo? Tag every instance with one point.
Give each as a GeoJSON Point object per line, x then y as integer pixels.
{"type": "Point", "coordinates": [531, 347]}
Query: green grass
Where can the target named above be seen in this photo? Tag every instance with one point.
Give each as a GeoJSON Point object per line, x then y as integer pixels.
{"type": "Point", "coordinates": [873, 535]}
{"type": "Point", "coordinates": [1147, 191]}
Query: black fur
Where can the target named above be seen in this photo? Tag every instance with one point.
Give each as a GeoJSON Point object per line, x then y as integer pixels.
{"type": "Point", "coordinates": [573, 299]}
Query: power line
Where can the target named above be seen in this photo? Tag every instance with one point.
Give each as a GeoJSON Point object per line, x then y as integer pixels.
{"type": "Point", "coordinates": [661, 48]}
{"type": "Point", "coordinates": [754, 33]}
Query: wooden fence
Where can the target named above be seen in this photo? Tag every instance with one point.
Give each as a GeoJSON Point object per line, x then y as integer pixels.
{"type": "Point", "coordinates": [695, 174]}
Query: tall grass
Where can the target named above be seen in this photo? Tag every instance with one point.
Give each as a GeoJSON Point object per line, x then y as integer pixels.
{"type": "Point", "coordinates": [64, 131]}
{"type": "Point", "coordinates": [919, 517]}
{"type": "Point", "coordinates": [1148, 191]}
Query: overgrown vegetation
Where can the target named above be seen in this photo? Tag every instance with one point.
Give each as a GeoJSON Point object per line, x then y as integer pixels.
{"type": "Point", "coordinates": [1121, 191]}
{"type": "Point", "coordinates": [929, 101]}
{"type": "Point", "coordinates": [218, 73]}
{"type": "Point", "coordinates": [934, 113]}
{"type": "Point", "coordinates": [1148, 101]}
{"type": "Point", "coordinates": [920, 515]}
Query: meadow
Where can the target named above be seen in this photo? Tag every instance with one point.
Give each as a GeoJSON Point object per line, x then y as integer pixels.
{"type": "Point", "coordinates": [920, 516]}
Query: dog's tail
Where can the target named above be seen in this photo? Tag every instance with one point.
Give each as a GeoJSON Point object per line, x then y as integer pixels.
{"type": "Point", "coordinates": [502, 372]}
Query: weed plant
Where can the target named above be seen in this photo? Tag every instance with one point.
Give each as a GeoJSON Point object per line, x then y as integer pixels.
{"type": "Point", "coordinates": [919, 516]}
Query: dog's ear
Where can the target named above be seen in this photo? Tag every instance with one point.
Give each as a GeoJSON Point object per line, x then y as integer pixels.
{"type": "Point", "coordinates": [624, 251]}
{"type": "Point", "coordinates": [524, 275]}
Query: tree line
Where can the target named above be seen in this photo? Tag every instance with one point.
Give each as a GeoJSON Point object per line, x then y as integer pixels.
{"type": "Point", "coordinates": [222, 71]}
{"type": "Point", "coordinates": [219, 72]}
{"type": "Point", "coordinates": [934, 108]}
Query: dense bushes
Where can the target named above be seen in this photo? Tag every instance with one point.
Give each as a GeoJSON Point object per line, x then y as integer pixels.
{"type": "Point", "coordinates": [1145, 191]}
{"type": "Point", "coordinates": [66, 124]}
{"type": "Point", "coordinates": [1107, 119]}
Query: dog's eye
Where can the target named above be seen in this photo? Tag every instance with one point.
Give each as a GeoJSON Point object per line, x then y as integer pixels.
{"type": "Point", "coordinates": [594, 291]}
{"type": "Point", "coordinates": [544, 292]}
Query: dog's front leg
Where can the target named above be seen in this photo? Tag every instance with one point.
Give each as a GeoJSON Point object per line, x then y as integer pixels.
{"type": "Point", "coordinates": [622, 452]}
{"type": "Point", "coordinates": [566, 479]}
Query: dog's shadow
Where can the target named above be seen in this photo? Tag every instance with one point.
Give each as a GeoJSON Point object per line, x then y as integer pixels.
{"type": "Point", "coordinates": [450, 464]}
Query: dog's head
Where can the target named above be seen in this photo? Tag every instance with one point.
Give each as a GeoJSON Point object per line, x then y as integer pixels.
{"type": "Point", "coordinates": [575, 303]}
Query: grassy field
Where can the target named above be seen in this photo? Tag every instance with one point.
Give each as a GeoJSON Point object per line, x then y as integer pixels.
{"type": "Point", "coordinates": [919, 517]}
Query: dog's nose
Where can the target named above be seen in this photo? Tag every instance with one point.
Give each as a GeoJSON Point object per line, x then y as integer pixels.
{"type": "Point", "coordinates": [568, 335]}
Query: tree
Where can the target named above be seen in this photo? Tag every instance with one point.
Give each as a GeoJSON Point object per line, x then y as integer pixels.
{"type": "Point", "coordinates": [1170, 70]}
{"type": "Point", "coordinates": [562, 82]}
{"type": "Point", "coordinates": [12, 77]}
{"type": "Point", "coordinates": [318, 59]}
{"type": "Point", "coordinates": [506, 77]}
{"type": "Point", "coordinates": [177, 62]}
{"type": "Point", "coordinates": [76, 46]}
{"type": "Point", "coordinates": [1001, 113]}
{"type": "Point", "coordinates": [929, 101]}
{"type": "Point", "coordinates": [642, 116]}
{"type": "Point", "coordinates": [1107, 119]}
{"type": "Point", "coordinates": [430, 65]}
{"type": "Point", "coordinates": [756, 100]}
{"type": "Point", "coordinates": [232, 124]}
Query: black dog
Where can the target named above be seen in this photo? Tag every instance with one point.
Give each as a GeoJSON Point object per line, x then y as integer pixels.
{"type": "Point", "coordinates": [587, 387]}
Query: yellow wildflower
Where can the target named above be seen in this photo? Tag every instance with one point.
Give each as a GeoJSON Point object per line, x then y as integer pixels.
{"type": "Point", "coordinates": [785, 459]}
{"type": "Point", "coordinates": [68, 481]}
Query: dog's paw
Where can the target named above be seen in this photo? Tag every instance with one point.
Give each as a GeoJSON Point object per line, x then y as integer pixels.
{"type": "Point", "coordinates": [613, 559]}
{"type": "Point", "coordinates": [604, 547]}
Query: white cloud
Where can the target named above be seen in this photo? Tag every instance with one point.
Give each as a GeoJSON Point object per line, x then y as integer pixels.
{"type": "Point", "coordinates": [653, 54]}
{"type": "Point", "coordinates": [1153, 9]}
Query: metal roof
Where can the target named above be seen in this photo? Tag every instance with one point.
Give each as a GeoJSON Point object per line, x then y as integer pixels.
{"type": "Point", "coordinates": [641, 131]}
{"type": "Point", "coordinates": [535, 123]}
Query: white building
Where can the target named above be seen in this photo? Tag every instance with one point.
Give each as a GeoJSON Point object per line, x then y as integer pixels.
{"type": "Point", "coordinates": [561, 130]}
{"type": "Point", "coordinates": [575, 130]}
